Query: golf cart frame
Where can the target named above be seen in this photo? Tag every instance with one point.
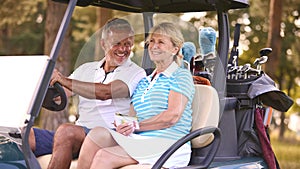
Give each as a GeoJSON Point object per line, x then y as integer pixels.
{"type": "Point", "coordinates": [227, 153]}
{"type": "Point", "coordinates": [147, 8]}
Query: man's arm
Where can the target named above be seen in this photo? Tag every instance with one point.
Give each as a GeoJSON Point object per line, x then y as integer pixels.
{"type": "Point", "coordinates": [115, 89]}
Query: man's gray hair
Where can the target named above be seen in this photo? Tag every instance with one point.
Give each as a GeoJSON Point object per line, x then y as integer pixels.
{"type": "Point", "coordinates": [116, 24]}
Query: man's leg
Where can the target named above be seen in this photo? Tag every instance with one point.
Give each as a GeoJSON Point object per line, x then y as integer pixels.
{"type": "Point", "coordinates": [31, 140]}
{"type": "Point", "coordinates": [67, 143]}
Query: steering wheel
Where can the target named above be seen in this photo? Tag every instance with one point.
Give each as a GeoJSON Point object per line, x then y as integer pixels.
{"type": "Point", "coordinates": [55, 91]}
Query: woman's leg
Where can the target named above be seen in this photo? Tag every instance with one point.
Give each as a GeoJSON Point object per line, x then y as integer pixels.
{"type": "Point", "coordinates": [112, 157]}
{"type": "Point", "coordinates": [97, 138]}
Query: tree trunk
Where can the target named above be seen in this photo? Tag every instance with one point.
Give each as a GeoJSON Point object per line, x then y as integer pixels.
{"type": "Point", "coordinates": [103, 15]}
{"type": "Point", "coordinates": [4, 38]}
{"type": "Point", "coordinates": [275, 41]}
{"type": "Point", "coordinates": [5, 35]}
{"type": "Point", "coordinates": [54, 14]}
{"type": "Point", "coordinates": [274, 38]}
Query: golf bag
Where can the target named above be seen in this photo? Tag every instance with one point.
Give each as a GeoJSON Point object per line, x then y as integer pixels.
{"type": "Point", "coordinates": [254, 96]}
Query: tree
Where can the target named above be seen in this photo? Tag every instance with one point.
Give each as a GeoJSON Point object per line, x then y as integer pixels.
{"type": "Point", "coordinates": [282, 38]}
{"type": "Point", "coordinates": [274, 38]}
{"type": "Point", "coordinates": [274, 41]}
{"type": "Point", "coordinates": [103, 15]}
{"type": "Point", "coordinates": [54, 14]}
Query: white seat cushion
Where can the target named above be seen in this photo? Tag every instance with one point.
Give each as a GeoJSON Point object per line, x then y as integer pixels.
{"type": "Point", "coordinates": [205, 113]}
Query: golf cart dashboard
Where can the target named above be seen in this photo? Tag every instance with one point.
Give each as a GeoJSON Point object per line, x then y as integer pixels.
{"type": "Point", "coordinates": [165, 6]}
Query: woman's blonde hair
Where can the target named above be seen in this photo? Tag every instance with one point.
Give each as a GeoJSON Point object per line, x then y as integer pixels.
{"type": "Point", "coordinates": [169, 29]}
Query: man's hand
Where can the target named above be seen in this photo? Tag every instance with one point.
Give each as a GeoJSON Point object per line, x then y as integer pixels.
{"type": "Point", "coordinates": [56, 77]}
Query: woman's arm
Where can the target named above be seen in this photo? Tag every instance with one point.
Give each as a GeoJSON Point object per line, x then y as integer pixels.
{"type": "Point", "coordinates": [177, 103]}
{"type": "Point", "coordinates": [165, 119]}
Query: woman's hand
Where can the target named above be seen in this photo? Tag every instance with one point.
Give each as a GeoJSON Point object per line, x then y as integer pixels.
{"type": "Point", "coordinates": [126, 129]}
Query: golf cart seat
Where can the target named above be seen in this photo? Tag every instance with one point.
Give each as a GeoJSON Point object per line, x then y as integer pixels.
{"type": "Point", "coordinates": [204, 128]}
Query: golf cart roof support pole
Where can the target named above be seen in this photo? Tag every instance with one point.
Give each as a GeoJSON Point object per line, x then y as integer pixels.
{"type": "Point", "coordinates": [148, 24]}
{"type": "Point", "coordinates": [30, 158]}
{"type": "Point", "coordinates": [223, 46]}
{"type": "Point", "coordinates": [219, 81]}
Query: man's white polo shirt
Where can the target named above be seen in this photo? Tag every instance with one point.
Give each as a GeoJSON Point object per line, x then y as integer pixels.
{"type": "Point", "coordinates": [94, 112]}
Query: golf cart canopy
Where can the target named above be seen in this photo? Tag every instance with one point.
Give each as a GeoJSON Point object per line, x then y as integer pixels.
{"type": "Point", "coordinates": [148, 7]}
{"type": "Point", "coordinates": [164, 6]}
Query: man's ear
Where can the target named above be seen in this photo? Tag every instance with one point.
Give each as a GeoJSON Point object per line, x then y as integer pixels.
{"type": "Point", "coordinates": [102, 44]}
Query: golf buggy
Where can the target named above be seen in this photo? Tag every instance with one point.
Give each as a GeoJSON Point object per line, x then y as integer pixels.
{"type": "Point", "coordinates": [229, 128]}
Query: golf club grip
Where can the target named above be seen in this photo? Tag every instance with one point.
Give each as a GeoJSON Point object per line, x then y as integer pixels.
{"type": "Point", "coordinates": [236, 36]}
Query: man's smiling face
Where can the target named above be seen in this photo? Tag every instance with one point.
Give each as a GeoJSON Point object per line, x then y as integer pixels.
{"type": "Point", "coordinates": [117, 46]}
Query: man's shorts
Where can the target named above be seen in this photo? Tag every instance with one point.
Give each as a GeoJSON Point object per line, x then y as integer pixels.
{"type": "Point", "coordinates": [44, 141]}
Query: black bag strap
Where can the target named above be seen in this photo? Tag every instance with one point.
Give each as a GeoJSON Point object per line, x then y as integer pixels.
{"type": "Point", "coordinates": [236, 38]}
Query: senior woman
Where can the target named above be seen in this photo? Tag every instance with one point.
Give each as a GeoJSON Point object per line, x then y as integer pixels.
{"type": "Point", "coordinates": [162, 103]}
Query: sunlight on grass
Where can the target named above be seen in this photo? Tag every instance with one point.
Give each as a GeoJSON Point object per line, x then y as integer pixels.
{"type": "Point", "coordinates": [287, 150]}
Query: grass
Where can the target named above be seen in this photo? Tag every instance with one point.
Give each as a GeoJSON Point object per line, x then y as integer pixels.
{"type": "Point", "coordinates": [287, 150]}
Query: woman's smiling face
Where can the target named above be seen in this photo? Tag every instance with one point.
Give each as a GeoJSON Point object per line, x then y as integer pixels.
{"type": "Point", "coordinates": [161, 48]}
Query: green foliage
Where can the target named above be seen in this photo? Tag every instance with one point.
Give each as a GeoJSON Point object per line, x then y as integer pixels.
{"type": "Point", "coordinates": [17, 20]}
{"type": "Point", "coordinates": [83, 26]}
{"type": "Point", "coordinates": [287, 151]}
{"type": "Point", "coordinates": [83, 23]}
{"type": "Point", "coordinates": [15, 13]}
{"type": "Point", "coordinates": [256, 39]}
{"type": "Point", "coordinates": [290, 59]}
{"type": "Point", "coordinates": [254, 34]}
{"type": "Point", "coordinates": [22, 32]}
{"type": "Point", "coordinates": [22, 27]}
{"type": "Point", "coordinates": [28, 42]}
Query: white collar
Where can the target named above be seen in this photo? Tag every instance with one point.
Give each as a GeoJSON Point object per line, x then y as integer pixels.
{"type": "Point", "coordinates": [127, 63]}
{"type": "Point", "coordinates": [168, 72]}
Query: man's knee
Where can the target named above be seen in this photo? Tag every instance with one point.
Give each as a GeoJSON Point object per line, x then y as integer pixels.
{"type": "Point", "coordinates": [69, 138]}
{"type": "Point", "coordinates": [69, 133]}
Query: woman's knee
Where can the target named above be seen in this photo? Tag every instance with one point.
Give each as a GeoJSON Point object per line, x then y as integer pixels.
{"type": "Point", "coordinates": [99, 134]}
